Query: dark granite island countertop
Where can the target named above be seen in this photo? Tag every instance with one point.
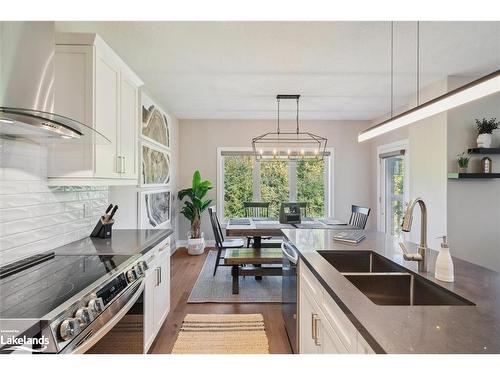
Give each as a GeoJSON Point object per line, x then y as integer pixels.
{"type": "Point", "coordinates": [409, 329]}
{"type": "Point", "coordinates": [123, 242]}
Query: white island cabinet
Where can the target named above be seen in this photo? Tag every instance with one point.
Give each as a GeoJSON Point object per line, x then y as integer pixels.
{"type": "Point", "coordinates": [94, 86]}
{"type": "Point", "coordinates": [156, 291]}
{"type": "Point", "coordinates": [323, 327]}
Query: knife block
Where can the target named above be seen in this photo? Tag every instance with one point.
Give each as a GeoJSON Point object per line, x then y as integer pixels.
{"type": "Point", "coordinates": [103, 229]}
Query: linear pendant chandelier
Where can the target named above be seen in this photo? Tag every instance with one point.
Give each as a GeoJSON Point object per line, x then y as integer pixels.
{"type": "Point", "coordinates": [296, 145]}
{"type": "Point", "coordinates": [480, 88]}
{"type": "Point", "coordinates": [477, 89]}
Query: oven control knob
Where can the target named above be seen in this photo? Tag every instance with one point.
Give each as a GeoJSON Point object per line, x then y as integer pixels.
{"type": "Point", "coordinates": [96, 305]}
{"type": "Point", "coordinates": [84, 316]}
{"type": "Point", "coordinates": [138, 270]}
{"type": "Point", "coordinates": [143, 265]}
{"type": "Point", "coordinates": [69, 329]}
{"type": "Point", "coordinates": [130, 276]}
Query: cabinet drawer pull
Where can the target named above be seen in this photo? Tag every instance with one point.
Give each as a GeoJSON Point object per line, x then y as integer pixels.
{"type": "Point", "coordinates": [315, 329]}
{"type": "Point", "coordinates": [157, 271]}
{"type": "Point", "coordinates": [123, 164]}
{"type": "Point", "coordinates": [164, 247]}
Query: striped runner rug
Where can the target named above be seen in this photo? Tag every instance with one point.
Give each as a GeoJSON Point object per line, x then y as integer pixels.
{"type": "Point", "coordinates": [222, 334]}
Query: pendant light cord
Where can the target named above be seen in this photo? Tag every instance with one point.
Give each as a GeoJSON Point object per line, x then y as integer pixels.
{"type": "Point", "coordinates": [418, 63]}
{"type": "Point", "coordinates": [392, 69]}
{"type": "Point", "coordinates": [297, 116]}
{"type": "Point", "coordinates": [278, 116]}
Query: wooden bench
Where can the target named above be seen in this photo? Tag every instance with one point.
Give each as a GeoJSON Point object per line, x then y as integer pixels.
{"type": "Point", "coordinates": [238, 258]}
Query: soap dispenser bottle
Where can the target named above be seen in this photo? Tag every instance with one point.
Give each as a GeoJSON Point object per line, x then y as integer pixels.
{"type": "Point", "coordinates": [444, 263]}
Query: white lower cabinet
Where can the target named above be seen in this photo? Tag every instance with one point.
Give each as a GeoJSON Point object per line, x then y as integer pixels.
{"type": "Point", "coordinates": [156, 291]}
{"type": "Point", "coordinates": [309, 315]}
{"type": "Point", "coordinates": [323, 327]}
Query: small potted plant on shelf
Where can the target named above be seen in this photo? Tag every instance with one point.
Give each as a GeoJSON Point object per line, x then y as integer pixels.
{"type": "Point", "coordinates": [485, 129]}
{"type": "Point", "coordinates": [463, 162]}
{"type": "Point", "coordinates": [193, 209]}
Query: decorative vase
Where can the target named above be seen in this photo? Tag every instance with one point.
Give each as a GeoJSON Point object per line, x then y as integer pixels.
{"type": "Point", "coordinates": [495, 141]}
{"type": "Point", "coordinates": [462, 169]}
{"type": "Point", "coordinates": [484, 140]}
{"type": "Point", "coordinates": [196, 246]}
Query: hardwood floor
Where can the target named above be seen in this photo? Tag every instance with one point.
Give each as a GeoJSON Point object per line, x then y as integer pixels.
{"type": "Point", "coordinates": [184, 270]}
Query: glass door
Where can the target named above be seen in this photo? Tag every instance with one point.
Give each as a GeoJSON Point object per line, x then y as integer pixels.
{"type": "Point", "coordinates": [392, 191]}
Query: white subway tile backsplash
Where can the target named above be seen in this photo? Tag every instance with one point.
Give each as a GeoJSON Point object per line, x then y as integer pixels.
{"type": "Point", "coordinates": [36, 217]}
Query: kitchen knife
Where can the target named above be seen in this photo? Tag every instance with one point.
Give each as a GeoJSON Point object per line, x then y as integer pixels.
{"type": "Point", "coordinates": [112, 212]}
{"type": "Point", "coordinates": [109, 208]}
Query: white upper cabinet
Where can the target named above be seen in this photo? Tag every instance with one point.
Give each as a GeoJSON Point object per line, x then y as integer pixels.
{"type": "Point", "coordinates": [94, 86]}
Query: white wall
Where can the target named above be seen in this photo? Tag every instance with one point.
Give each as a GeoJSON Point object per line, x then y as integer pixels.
{"type": "Point", "coordinates": [468, 211]}
{"type": "Point", "coordinates": [428, 166]}
{"type": "Point", "coordinates": [199, 140]}
{"type": "Point", "coordinates": [473, 205]}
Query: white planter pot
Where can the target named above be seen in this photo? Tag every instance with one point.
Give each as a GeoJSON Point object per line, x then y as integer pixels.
{"type": "Point", "coordinates": [484, 140]}
{"type": "Point", "coordinates": [196, 246]}
{"type": "Point", "coordinates": [495, 142]}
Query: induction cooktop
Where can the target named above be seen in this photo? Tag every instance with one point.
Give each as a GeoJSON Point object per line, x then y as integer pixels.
{"type": "Point", "coordinates": [33, 291]}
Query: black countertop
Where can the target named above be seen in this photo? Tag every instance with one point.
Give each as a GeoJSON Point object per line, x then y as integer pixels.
{"type": "Point", "coordinates": [123, 242]}
{"type": "Point", "coordinates": [409, 329]}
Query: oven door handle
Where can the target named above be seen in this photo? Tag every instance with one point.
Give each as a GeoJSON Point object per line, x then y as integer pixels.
{"type": "Point", "coordinates": [293, 257]}
{"type": "Point", "coordinates": [90, 338]}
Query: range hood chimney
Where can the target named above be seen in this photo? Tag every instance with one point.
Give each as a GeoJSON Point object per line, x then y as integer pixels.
{"type": "Point", "coordinates": [27, 77]}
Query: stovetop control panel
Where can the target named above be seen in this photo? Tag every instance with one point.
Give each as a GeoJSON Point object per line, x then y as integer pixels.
{"type": "Point", "coordinates": [111, 290]}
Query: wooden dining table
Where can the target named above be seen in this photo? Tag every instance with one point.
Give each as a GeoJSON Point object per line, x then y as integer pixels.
{"type": "Point", "coordinates": [269, 227]}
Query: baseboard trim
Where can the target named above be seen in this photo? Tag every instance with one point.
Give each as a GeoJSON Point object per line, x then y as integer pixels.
{"type": "Point", "coordinates": [183, 243]}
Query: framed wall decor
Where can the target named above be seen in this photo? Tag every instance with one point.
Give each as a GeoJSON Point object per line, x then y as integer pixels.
{"type": "Point", "coordinates": [154, 209]}
{"type": "Point", "coordinates": [155, 124]}
{"type": "Point", "coordinates": [155, 166]}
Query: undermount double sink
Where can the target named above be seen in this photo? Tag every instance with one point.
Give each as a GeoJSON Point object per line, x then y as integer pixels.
{"type": "Point", "coordinates": [387, 283]}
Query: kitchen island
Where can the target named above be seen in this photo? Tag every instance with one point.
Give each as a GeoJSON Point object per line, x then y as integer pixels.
{"type": "Point", "coordinates": [471, 327]}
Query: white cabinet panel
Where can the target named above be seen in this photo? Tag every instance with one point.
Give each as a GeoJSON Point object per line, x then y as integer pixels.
{"type": "Point", "coordinates": [94, 86]}
{"type": "Point", "coordinates": [162, 292]}
{"type": "Point", "coordinates": [330, 342]}
{"type": "Point", "coordinates": [362, 346]}
{"type": "Point", "coordinates": [107, 96]}
{"type": "Point", "coordinates": [324, 328]}
{"type": "Point", "coordinates": [149, 311]}
{"type": "Point", "coordinates": [308, 315]}
{"type": "Point", "coordinates": [129, 118]}
{"type": "Point", "coordinates": [157, 291]}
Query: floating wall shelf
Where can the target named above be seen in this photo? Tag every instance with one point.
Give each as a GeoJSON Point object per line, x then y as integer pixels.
{"type": "Point", "coordinates": [484, 151]}
{"type": "Point", "coordinates": [460, 176]}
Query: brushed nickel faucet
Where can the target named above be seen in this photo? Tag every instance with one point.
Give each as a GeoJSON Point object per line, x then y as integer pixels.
{"type": "Point", "coordinates": [406, 227]}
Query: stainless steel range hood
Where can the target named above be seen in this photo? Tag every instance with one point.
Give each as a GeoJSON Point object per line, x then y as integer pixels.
{"type": "Point", "coordinates": [27, 77]}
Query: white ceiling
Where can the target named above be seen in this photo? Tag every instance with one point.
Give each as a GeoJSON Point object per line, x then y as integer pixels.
{"type": "Point", "coordinates": [233, 70]}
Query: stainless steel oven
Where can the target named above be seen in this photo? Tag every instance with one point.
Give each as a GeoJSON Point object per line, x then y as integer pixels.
{"type": "Point", "coordinates": [289, 293]}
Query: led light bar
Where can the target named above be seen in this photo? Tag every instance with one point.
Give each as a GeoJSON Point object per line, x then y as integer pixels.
{"type": "Point", "coordinates": [474, 90]}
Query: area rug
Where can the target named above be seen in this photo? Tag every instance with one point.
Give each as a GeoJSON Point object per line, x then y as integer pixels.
{"type": "Point", "coordinates": [222, 334]}
{"type": "Point", "coordinates": [218, 288]}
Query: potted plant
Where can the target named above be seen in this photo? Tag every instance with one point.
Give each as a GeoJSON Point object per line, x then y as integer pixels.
{"type": "Point", "coordinates": [463, 162]}
{"type": "Point", "coordinates": [193, 209]}
{"type": "Point", "coordinates": [485, 128]}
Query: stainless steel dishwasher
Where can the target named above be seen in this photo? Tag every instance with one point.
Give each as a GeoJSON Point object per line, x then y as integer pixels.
{"type": "Point", "coordinates": [289, 293]}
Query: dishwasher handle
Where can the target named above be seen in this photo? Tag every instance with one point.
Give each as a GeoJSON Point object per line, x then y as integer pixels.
{"type": "Point", "coordinates": [289, 252]}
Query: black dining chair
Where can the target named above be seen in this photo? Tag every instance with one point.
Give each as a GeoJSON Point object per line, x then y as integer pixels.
{"type": "Point", "coordinates": [359, 216]}
{"type": "Point", "coordinates": [256, 209]}
{"type": "Point", "coordinates": [221, 244]}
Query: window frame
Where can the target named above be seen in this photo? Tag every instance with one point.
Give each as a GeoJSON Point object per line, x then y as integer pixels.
{"type": "Point", "coordinates": [329, 180]}
{"type": "Point", "coordinates": [403, 144]}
